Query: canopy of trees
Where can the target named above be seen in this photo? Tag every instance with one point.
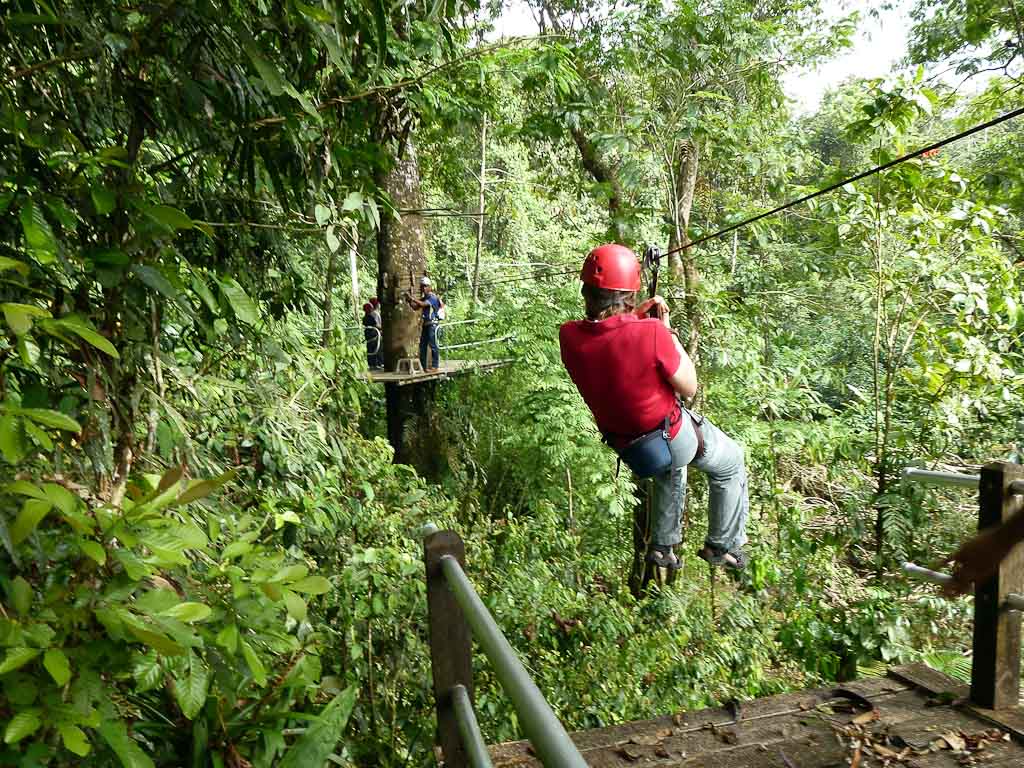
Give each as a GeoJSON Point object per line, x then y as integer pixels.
{"type": "Point", "coordinates": [208, 551]}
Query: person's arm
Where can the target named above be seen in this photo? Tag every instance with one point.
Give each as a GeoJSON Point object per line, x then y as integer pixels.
{"type": "Point", "coordinates": [415, 303]}
{"type": "Point", "coordinates": [684, 380]}
{"type": "Point", "coordinates": [979, 558]}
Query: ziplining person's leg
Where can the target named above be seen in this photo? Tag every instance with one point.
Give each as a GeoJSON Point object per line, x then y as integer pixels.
{"type": "Point", "coordinates": [670, 495]}
{"type": "Point", "coordinates": [728, 505]}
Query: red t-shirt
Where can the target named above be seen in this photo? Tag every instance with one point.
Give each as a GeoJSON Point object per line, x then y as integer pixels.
{"type": "Point", "coordinates": [622, 367]}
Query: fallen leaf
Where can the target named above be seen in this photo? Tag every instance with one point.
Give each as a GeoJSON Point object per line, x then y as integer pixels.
{"type": "Point", "coordinates": [645, 739]}
{"type": "Point", "coordinates": [866, 717]}
{"type": "Point", "coordinates": [955, 741]}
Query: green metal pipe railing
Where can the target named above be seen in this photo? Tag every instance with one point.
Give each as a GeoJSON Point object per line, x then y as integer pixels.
{"type": "Point", "coordinates": [469, 729]}
{"type": "Point", "coordinates": [549, 739]}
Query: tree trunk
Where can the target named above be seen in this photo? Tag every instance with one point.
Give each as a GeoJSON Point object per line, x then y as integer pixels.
{"type": "Point", "coordinates": [401, 259]}
{"type": "Point", "coordinates": [684, 263]}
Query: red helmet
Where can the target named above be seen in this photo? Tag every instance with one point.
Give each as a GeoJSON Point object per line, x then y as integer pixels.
{"type": "Point", "coordinates": [367, 307]}
{"type": "Point", "coordinates": [613, 267]}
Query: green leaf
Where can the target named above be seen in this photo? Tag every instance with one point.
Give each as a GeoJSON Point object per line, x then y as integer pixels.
{"type": "Point", "coordinates": [147, 672]}
{"type": "Point", "coordinates": [203, 291]}
{"type": "Point", "coordinates": [312, 585]}
{"type": "Point", "coordinates": [84, 330]}
{"type": "Point", "coordinates": [61, 497]}
{"type": "Point", "coordinates": [28, 350]}
{"type": "Point", "coordinates": [21, 595]}
{"type": "Point", "coordinates": [57, 665]}
{"type": "Point", "coordinates": [93, 550]}
{"type": "Point", "coordinates": [190, 692]}
{"type": "Point", "coordinates": [41, 438]}
{"type": "Point", "coordinates": [74, 739]}
{"type": "Point", "coordinates": [322, 214]}
{"type": "Point", "coordinates": [124, 746]}
{"type": "Point", "coordinates": [7, 263]}
{"type": "Point", "coordinates": [110, 257]}
{"type": "Point", "coordinates": [295, 605]}
{"type": "Point", "coordinates": [12, 439]}
{"type": "Point", "coordinates": [38, 235]}
{"type": "Point", "coordinates": [204, 488]}
{"type": "Point", "coordinates": [244, 307]}
{"type": "Point", "coordinates": [103, 200]}
{"type": "Point", "coordinates": [353, 201]}
{"type": "Point", "coordinates": [17, 658]}
{"type": "Point", "coordinates": [273, 79]}
{"type": "Point", "coordinates": [32, 512]}
{"type": "Point", "coordinates": [22, 725]}
{"type": "Point", "coordinates": [290, 573]}
{"type": "Point", "coordinates": [169, 217]}
{"type": "Point", "coordinates": [24, 488]}
{"type": "Point", "coordinates": [19, 316]}
{"type": "Point", "coordinates": [50, 418]}
{"type": "Point", "coordinates": [259, 674]}
{"type": "Point", "coordinates": [155, 280]}
{"type": "Point", "coordinates": [332, 240]}
{"type": "Point", "coordinates": [188, 612]}
{"type": "Point", "coordinates": [319, 740]}
{"type": "Point", "coordinates": [156, 641]}
{"type": "Point", "coordinates": [227, 638]}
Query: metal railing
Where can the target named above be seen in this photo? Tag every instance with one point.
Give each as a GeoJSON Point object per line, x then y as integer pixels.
{"type": "Point", "coordinates": [456, 614]}
{"type": "Point", "coordinates": [998, 601]}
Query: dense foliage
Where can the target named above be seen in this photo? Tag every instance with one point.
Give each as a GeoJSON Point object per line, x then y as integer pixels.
{"type": "Point", "coordinates": [207, 555]}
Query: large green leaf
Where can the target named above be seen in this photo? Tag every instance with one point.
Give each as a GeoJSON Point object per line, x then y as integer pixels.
{"type": "Point", "coordinates": [74, 739]}
{"type": "Point", "coordinates": [38, 235]}
{"type": "Point", "coordinates": [84, 329]}
{"type": "Point", "coordinates": [17, 658]}
{"type": "Point", "coordinates": [50, 418]}
{"type": "Point", "coordinates": [170, 217]}
{"type": "Point", "coordinates": [57, 665]}
{"type": "Point", "coordinates": [156, 641]}
{"type": "Point", "coordinates": [312, 585]}
{"type": "Point", "coordinates": [155, 280]}
{"type": "Point", "coordinates": [259, 673]}
{"type": "Point", "coordinates": [22, 725]}
{"type": "Point", "coordinates": [124, 746]}
{"type": "Point", "coordinates": [244, 307]}
{"type": "Point", "coordinates": [272, 78]}
{"type": "Point", "coordinates": [102, 199]}
{"type": "Point", "coordinates": [12, 438]}
{"type": "Point", "coordinates": [188, 612]}
{"type": "Point", "coordinates": [18, 266]}
{"type": "Point", "coordinates": [320, 739]}
{"type": "Point", "coordinates": [190, 691]}
{"type": "Point", "coordinates": [21, 595]}
{"type": "Point", "coordinates": [32, 512]}
{"type": "Point", "coordinates": [19, 316]}
{"type": "Point", "coordinates": [203, 488]}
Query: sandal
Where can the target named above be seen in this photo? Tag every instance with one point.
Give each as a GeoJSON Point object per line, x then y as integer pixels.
{"type": "Point", "coordinates": [664, 557]}
{"type": "Point", "coordinates": [735, 559]}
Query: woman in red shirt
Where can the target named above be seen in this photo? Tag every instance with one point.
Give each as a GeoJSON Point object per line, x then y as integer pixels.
{"type": "Point", "coordinates": [632, 373]}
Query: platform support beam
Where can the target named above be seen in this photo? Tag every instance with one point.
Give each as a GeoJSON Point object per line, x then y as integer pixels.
{"type": "Point", "coordinates": [995, 674]}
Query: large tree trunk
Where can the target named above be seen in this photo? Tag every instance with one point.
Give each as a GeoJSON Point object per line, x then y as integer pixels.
{"type": "Point", "coordinates": [683, 185]}
{"type": "Point", "coordinates": [401, 259]}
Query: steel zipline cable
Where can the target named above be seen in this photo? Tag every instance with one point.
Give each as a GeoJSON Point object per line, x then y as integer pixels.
{"type": "Point", "coordinates": [805, 198]}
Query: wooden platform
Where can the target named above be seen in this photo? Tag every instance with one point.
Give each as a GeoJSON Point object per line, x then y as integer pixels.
{"type": "Point", "coordinates": [913, 718]}
{"type": "Point", "coordinates": [448, 369]}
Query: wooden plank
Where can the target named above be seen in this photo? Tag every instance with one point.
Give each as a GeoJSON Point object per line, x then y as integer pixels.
{"type": "Point", "coordinates": [751, 711]}
{"type": "Point", "coordinates": [448, 368]}
{"type": "Point", "coordinates": [932, 681]}
{"type": "Point", "coordinates": [450, 649]}
{"type": "Point", "coordinates": [1010, 720]}
{"type": "Point", "coordinates": [995, 674]}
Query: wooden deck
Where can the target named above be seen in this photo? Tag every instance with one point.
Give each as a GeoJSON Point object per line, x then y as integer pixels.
{"type": "Point", "coordinates": [448, 369]}
{"type": "Point", "coordinates": [913, 718]}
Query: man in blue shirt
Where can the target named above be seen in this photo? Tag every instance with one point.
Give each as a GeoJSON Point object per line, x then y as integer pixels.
{"type": "Point", "coordinates": [430, 304]}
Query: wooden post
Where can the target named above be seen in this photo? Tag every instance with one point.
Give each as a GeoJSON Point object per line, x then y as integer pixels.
{"type": "Point", "coordinates": [995, 673]}
{"type": "Point", "coordinates": [450, 650]}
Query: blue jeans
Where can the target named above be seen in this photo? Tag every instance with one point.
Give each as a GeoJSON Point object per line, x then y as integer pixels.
{"type": "Point", "coordinates": [428, 338]}
{"type": "Point", "coordinates": [728, 505]}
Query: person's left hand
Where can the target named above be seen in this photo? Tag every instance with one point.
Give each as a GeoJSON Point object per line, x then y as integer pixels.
{"type": "Point", "coordinates": [661, 306]}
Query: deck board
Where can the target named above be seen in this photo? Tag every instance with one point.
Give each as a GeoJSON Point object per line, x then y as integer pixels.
{"type": "Point", "coordinates": [809, 729]}
{"type": "Point", "coordinates": [448, 369]}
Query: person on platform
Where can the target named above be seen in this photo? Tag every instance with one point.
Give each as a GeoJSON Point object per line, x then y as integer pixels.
{"type": "Point", "coordinates": [371, 334]}
{"type": "Point", "coordinates": [430, 305]}
{"type": "Point", "coordinates": [632, 373]}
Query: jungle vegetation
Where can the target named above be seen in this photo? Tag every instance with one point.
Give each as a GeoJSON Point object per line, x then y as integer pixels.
{"type": "Point", "coordinates": [208, 550]}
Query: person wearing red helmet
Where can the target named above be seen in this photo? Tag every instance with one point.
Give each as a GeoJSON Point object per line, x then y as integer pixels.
{"type": "Point", "coordinates": [632, 373]}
